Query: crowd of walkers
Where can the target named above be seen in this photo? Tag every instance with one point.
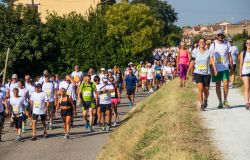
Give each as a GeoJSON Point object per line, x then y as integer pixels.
{"type": "Point", "coordinates": [98, 95]}
{"type": "Point", "coordinates": [215, 61]}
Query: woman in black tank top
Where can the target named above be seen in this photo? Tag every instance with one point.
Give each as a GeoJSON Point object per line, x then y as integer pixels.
{"type": "Point", "coordinates": [65, 103]}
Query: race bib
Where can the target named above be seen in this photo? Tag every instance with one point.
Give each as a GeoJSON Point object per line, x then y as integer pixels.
{"type": "Point", "coordinates": [247, 64]}
{"type": "Point", "coordinates": [15, 109]}
{"type": "Point", "coordinates": [112, 94]}
{"type": "Point", "coordinates": [202, 68]}
{"type": "Point", "coordinates": [48, 92]}
{"type": "Point", "coordinates": [104, 97]}
{"type": "Point", "coordinates": [87, 93]}
{"type": "Point", "coordinates": [37, 104]}
{"type": "Point", "coordinates": [68, 93]}
{"type": "Point", "coordinates": [220, 60]}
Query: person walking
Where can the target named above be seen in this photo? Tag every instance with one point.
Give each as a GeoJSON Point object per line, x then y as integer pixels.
{"type": "Point", "coordinates": [18, 115]}
{"type": "Point", "coordinates": [182, 63]}
{"type": "Point", "coordinates": [130, 85]}
{"type": "Point", "coordinates": [235, 56]}
{"type": "Point", "coordinates": [201, 59]}
{"type": "Point", "coordinates": [245, 71]}
{"type": "Point", "coordinates": [66, 104]}
{"type": "Point", "coordinates": [221, 53]}
{"type": "Point", "coordinates": [86, 94]}
{"type": "Point", "coordinates": [39, 103]}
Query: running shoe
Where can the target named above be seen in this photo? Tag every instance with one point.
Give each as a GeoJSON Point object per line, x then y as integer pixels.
{"type": "Point", "coordinates": [23, 129]}
{"type": "Point", "coordinates": [108, 128]}
{"type": "Point", "coordinates": [247, 106]}
{"type": "Point", "coordinates": [33, 138]}
{"type": "Point", "coordinates": [115, 124]}
{"type": "Point", "coordinates": [45, 135]}
{"type": "Point", "coordinates": [18, 139]}
{"type": "Point", "coordinates": [90, 129]}
{"type": "Point", "coordinates": [205, 103]}
{"type": "Point", "coordinates": [66, 136]}
{"type": "Point", "coordinates": [86, 126]}
{"type": "Point", "coordinates": [130, 104]}
{"type": "Point", "coordinates": [226, 104]}
{"type": "Point", "coordinates": [202, 107]}
{"type": "Point", "coordinates": [220, 106]}
{"type": "Point", "coordinates": [103, 128]}
{"type": "Point", "coordinates": [50, 127]}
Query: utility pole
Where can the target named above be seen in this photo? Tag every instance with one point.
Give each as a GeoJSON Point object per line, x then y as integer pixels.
{"type": "Point", "coordinates": [5, 67]}
{"type": "Point", "coordinates": [33, 4]}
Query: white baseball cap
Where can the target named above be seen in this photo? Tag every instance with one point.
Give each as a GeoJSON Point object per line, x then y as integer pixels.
{"type": "Point", "coordinates": [14, 76]}
{"type": "Point", "coordinates": [219, 31]}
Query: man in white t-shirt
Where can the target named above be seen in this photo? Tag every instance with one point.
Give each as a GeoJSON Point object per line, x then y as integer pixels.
{"type": "Point", "coordinates": [31, 89]}
{"type": "Point", "coordinates": [150, 77]}
{"type": "Point", "coordinates": [41, 80]}
{"type": "Point", "coordinates": [221, 52]}
{"type": "Point", "coordinates": [39, 102]}
{"type": "Point", "coordinates": [13, 84]}
{"type": "Point", "coordinates": [49, 89]}
{"type": "Point", "coordinates": [104, 95]}
{"type": "Point", "coordinates": [235, 56]}
{"type": "Point", "coordinates": [77, 74]}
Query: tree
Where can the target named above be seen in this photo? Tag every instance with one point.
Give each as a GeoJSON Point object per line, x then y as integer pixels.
{"type": "Point", "coordinates": [23, 32]}
{"type": "Point", "coordinates": [162, 11]}
{"type": "Point", "coordinates": [133, 29]}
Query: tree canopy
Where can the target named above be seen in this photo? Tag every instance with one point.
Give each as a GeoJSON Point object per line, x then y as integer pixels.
{"type": "Point", "coordinates": [105, 36]}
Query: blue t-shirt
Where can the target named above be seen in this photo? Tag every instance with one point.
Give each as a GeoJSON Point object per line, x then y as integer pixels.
{"type": "Point", "coordinates": [131, 81]}
{"type": "Point", "coordinates": [158, 70]}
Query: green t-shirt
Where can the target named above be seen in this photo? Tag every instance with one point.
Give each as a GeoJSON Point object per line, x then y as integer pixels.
{"type": "Point", "coordinates": [88, 91]}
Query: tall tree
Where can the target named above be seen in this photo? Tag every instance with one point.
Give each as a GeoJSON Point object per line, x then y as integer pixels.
{"type": "Point", "coordinates": [134, 30]}
{"type": "Point", "coordinates": [166, 13]}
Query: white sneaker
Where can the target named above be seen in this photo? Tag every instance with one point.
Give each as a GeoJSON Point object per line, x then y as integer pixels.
{"type": "Point", "coordinates": [151, 90]}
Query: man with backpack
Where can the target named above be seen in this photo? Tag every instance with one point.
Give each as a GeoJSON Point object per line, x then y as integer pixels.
{"type": "Point", "coordinates": [221, 52]}
{"type": "Point", "coordinates": [86, 94]}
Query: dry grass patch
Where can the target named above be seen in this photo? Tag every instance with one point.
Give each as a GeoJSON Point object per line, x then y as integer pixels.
{"type": "Point", "coordinates": [164, 126]}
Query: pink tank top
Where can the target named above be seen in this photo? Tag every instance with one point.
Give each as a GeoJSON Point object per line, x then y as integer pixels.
{"type": "Point", "coordinates": [183, 57]}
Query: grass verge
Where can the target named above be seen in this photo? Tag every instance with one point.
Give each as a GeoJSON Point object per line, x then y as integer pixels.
{"type": "Point", "coordinates": [165, 126]}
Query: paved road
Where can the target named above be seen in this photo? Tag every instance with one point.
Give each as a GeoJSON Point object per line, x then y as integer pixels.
{"type": "Point", "coordinates": [81, 145]}
{"type": "Point", "coordinates": [230, 127]}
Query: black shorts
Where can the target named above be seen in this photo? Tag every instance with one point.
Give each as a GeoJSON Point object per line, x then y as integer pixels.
{"type": "Point", "coordinates": [105, 107]}
{"type": "Point", "coordinates": [18, 122]}
{"type": "Point", "coordinates": [35, 117]}
{"type": "Point", "coordinates": [245, 75]}
{"type": "Point", "coordinates": [234, 67]}
{"type": "Point", "coordinates": [131, 91]}
{"type": "Point", "coordinates": [205, 79]}
{"type": "Point", "coordinates": [2, 119]}
{"type": "Point", "coordinates": [66, 112]}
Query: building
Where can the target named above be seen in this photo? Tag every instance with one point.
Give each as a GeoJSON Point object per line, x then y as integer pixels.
{"type": "Point", "coordinates": [209, 31]}
{"type": "Point", "coordinates": [62, 6]}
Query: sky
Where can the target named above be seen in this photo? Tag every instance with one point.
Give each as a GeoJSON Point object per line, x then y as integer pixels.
{"type": "Point", "coordinates": [194, 12]}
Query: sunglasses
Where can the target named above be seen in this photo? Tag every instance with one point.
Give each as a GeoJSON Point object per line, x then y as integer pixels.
{"type": "Point", "coordinates": [220, 35]}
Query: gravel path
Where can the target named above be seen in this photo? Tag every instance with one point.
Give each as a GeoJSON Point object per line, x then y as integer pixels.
{"type": "Point", "coordinates": [81, 145]}
{"type": "Point", "coordinates": [230, 127]}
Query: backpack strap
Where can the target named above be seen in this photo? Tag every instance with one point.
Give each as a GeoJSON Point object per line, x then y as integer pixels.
{"type": "Point", "coordinates": [244, 55]}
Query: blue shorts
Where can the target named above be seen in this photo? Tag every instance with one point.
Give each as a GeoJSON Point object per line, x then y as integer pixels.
{"type": "Point", "coordinates": [158, 77]}
{"type": "Point", "coordinates": [105, 107]}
